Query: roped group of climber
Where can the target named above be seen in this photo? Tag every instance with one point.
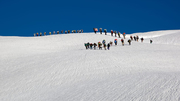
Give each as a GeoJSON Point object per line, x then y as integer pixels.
{"type": "Point", "coordinates": [62, 32]}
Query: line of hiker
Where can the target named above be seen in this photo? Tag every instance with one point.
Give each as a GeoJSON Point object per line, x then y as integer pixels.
{"type": "Point", "coordinates": [99, 45]}
{"type": "Point", "coordinates": [136, 38]}
{"type": "Point", "coordinates": [113, 33]}
{"type": "Point", "coordinates": [104, 45]}
{"type": "Point", "coordinates": [62, 32]}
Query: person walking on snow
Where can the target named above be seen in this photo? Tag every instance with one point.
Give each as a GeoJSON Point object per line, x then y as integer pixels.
{"type": "Point", "coordinates": [134, 38]}
{"type": "Point", "coordinates": [115, 41]}
{"type": "Point", "coordinates": [119, 34]}
{"type": "Point", "coordinates": [104, 41]}
{"type": "Point", "coordinates": [100, 29]}
{"type": "Point", "coordinates": [91, 45]}
{"type": "Point", "coordinates": [151, 41]}
{"type": "Point", "coordinates": [124, 34]}
{"type": "Point", "coordinates": [95, 45]}
{"type": "Point", "coordinates": [137, 38]}
{"type": "Point", "coordinates": [108, 46]}
{"type": "Point", "coordinates": [105, 31]}
{"type": "Point", "coordinates": [95, 30]}
{"type": "Point", "coordinates": [115, 33]}
{"type": "Point", "coordinates": [104, 46]}
{"type": "Point", "coordinates": [99, 45]}
{"type": "Point", "coordinates": [129, 41]}
{"type": "Point", "coordinates": [111, 32]}
{"type": "Point", "coordinates": [85, 44]}
{"type": "Point", "coordinates": [131, 37]}
{"type": "Point", "coordinates": [122, 42]}
{"type": "Point", "coordinates": [88, 44]}
{"type": "Point", "coordinates": [111, 43]}
{"type": "Point", "coordinates": [142, 39]}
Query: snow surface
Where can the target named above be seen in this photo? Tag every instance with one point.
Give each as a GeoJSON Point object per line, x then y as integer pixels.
{"type": "Point", "coordinates": [59, 68]}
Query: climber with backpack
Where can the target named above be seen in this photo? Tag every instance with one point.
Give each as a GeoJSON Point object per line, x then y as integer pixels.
{"type": "Point", "coordinates": [115, 41]}
{"type": "Point", "coordinates": [122, 42]}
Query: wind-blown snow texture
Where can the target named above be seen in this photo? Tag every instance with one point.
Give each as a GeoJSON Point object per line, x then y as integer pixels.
{"type": "Point", "coordinates": [59, 68]}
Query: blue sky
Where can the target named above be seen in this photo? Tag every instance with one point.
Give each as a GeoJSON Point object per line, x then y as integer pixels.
{"type": "Point", "coordinates": [26, 17]}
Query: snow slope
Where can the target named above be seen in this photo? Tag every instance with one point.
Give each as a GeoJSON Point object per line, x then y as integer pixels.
{"type": "Point", "coordinates": [59, 68]}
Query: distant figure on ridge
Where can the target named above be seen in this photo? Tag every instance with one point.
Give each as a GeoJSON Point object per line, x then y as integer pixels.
{"type": "Point", "coordinates": [137, 38]}
{"type": "Point", "coordinates": [111, 32]}
{"type": "Point", "coordinates": [115, 33]}
{"type": "Point", "coordinates": [142, 39]}
{"type": "Point", "coordinates": [105, 31]}
{"type": "Point", "coordinates": [124, 34]}
{"type": "Point", "coordinates": [95, 30]}
{"type": "Point", "coordinates": [119, 34]}
{"type": "Point", "coordinates": [100, 29]}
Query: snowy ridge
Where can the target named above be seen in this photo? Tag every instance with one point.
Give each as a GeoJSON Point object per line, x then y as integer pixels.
{"type": "Point", "coordinates": [59, 68]}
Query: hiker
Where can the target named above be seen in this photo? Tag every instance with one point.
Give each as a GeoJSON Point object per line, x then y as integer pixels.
{"type": "Point", "coordinates": [104, 41]}
{"type": "Point", "coordinates": [134, 38]}
{"type": "Point", "coordinates": [90, 45]}
{"type": "Point", "coordinates": [142, 39]}
{"type": "Point", "coordinates": [68, 31]}
{"type": "Point", "coordinates": [105, 31]}
{"type": "Point", "coordinates": [115, 33]}
{"type": "Point", "coordinates": [57, 32]}
{"type": "Point", "coordinates": [65, 32]}
{"type": "Point", "coordinates": [61, 31]}
{"type": "Point", "coordinates": [95, 30]}
{"type": "Point", "coordinates": [95, 45]}
{"type": "Point", "coordinates": [81, 30]}
{"type": "Point", "coordinates": [104, 46]}
{"type": "Point", "coordinates": [108, 46]}
{"type": "Point", "coordinates": [151, 41]}
{"type": "Point", "coordinates": [100, 29]}
{"type": "Point", "coordinates": [99, 45]}
{"type": "Point", "coordinates": [111, 43]}
{"type": "Point", "coordinates": [115, 41]}
{"type": "Point", "coordinates": [49, 33]}
{"type": "Point", "coordinates": [131, 37]}
{"type": "Point", "coordinates": [122, 42]}
{"type": "Point", "coordinates": [124, 34]}
{"type": "Point", "coordinates": [72, 31]}
{"type": "Point", "coordinates": [54, 32]}
{"type": "Point", "coordinates": [137, 37]}
{"type": "Point", "coordinates": [34, 34]}
{"type": "Point", "coordinates": [129, 42]}
{"type": "Point", "coordinates": [40, 34]}
{"type": "Point", "coordinates": [119, 34]}
{"type": "Point", "coordinates": [111, 32]}
{"type": "Point", "coordinates": [37, 34]}
{"type": "Point", "coordinates": [44, 33]}
{"type": "Point", "coordinates": [85, 44]}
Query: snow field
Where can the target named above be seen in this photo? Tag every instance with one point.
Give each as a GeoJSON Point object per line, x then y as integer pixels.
{"type": "Point", "coordinates": [59, 68]}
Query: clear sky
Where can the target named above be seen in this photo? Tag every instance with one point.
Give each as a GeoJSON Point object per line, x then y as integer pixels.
{"type": "Point", "coordinates": [26, 17]}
